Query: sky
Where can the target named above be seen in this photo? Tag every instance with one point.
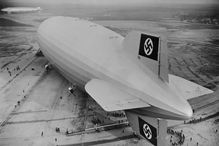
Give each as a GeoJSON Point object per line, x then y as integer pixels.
{"type": "Point", "coordinates": [105, 3]}
{"type": "Point", "coordinates": [117, 2]}
{"type": "Point", "coordinates": [136, 1]}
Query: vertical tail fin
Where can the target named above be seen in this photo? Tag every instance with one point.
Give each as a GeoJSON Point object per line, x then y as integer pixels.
{"type": "Point", "coordinates": [154, 130]}
{"type": "Point", "coordinates": [150, 50]}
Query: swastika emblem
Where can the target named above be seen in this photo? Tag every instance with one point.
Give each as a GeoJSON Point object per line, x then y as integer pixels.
{"type": "Point", "coordinates": [148, 46]}
{"type": "Point", "coordinates": [147, 131]}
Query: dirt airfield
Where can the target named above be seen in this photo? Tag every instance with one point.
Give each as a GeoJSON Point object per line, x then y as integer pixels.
{"type": "Point", "coordinates": [36, 107]}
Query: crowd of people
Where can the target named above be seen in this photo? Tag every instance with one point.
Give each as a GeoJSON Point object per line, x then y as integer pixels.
{"type": "Point", "coordinates": [116, 114]}
{"type": "Point", "coordinates": [193, 121]}
{"type": "Point", "coordinates": [15, 69]}
{"type": "Point", "coordinates": [179, 135]}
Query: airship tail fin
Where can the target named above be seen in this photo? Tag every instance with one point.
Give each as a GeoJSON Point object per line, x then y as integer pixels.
{"type": "Point", "coordinates": [187, 88]}
{"type": "Point", "coordinates": [154, 130]}
{"type": "Point", "coordinates": [110, 97]}
{"type": "Point", "coordinates": [149, 50]}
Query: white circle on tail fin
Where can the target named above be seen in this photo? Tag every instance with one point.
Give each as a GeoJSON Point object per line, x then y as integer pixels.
{"type": "Point", "coordinates": [148, 46]}
{"type": "Point", "coordinates": [147, 131]}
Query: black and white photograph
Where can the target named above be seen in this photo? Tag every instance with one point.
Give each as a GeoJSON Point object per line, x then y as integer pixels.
{"type": "Point", "coordinates": [109, 73]}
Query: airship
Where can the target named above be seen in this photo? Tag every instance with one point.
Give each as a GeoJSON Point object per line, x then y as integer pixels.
{"type": "Point", "coordinates": [10, 10]}
{"type": "Point", "coordinates": [120, 73]}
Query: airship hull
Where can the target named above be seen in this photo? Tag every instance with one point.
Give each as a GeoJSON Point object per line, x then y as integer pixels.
{"type": "Point", "coordinates": [83, 51]}
{"type": "Point", "coordinates": [20, 9]}
{"type": "Point", "coordinates": [73, 74]}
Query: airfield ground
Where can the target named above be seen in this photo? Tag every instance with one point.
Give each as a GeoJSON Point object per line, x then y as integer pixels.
{"type": "Point", "coordinates": [34, 102]}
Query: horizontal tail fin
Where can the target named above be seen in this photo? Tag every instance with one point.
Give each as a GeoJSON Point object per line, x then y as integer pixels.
{"type": "Point", "coordinates": [187, 88]}
{"type": "Point", "coordinates": [110, 97]}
